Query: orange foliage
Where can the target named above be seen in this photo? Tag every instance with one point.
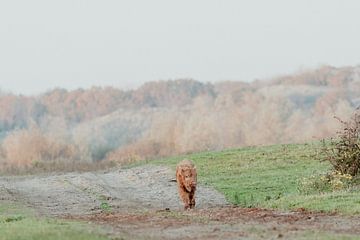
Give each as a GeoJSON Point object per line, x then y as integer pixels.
{"type": "Point", "coordinates": [25, 147]}
{"type": "Point", "coordinates": [175, 117]}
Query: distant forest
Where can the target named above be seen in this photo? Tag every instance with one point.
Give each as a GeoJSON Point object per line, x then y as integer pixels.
{"type": "Point", "coordinates": [166, 118]}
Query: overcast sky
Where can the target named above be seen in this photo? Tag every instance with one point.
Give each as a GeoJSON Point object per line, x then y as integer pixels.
{"type": "Point", "coordinates": [70, 43]}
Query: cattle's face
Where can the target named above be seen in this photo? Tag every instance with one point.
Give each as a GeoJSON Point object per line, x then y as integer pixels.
{"type": "Point", "coordinates": [189, 176]}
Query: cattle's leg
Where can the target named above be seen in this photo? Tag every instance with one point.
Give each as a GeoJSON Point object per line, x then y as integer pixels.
{"type": "Point", "coordinates": [184, 197]}
{"type": "Point", "coordinates": [192, 199]}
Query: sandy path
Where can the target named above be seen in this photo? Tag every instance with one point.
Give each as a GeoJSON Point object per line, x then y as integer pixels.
{"type": "Point", "coordinates": [140, 188]}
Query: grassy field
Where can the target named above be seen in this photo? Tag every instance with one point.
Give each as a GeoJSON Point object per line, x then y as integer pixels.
{"type": "Point", "coordinates": [19, 223]}
{"type": "Point", "coordinates": [269, 177]}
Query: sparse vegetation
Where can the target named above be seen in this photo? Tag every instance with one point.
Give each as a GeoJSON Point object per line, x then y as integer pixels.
{"type": "Point", "coordinates": [104, 206]}
{"type": "Point", "coordinates": [329, 182]}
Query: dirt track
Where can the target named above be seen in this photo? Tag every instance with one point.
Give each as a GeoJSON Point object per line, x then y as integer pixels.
{"type": "Point", "coordinates": [228, 223]}
{"type": "Point", "coordinates": [142, 203]}
{"type": "Point", "coordinates": [140, 188]}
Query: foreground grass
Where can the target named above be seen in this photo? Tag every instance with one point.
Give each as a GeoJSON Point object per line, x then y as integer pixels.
{"type": "Point", "coordinates": [18, 223]}
{"type": "Point", "coordinates": [268, 177]}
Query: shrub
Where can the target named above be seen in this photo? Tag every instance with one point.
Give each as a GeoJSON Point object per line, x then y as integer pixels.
{"type": "Point", "coordinates": [343, 152]}
{"type": "Point", "coordinates": [328, 182]}
{"type": "Point", "coordinates": [33, 151]}
{"type": "Point", "coordinates": [30, 148]}
{"type": "Point", "coordinates": [142, 150]}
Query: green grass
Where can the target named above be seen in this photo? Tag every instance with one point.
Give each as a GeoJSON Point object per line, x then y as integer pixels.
{"type": "Point", "coordinates": [321, 235]}
{"type": "Point", "coordinates": [268, 177]}
{"type": "Point", "coordinates": [18, 223]}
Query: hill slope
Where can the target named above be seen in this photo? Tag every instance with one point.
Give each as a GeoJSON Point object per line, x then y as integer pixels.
{"type": "Point", "coordinates": [175, 117]}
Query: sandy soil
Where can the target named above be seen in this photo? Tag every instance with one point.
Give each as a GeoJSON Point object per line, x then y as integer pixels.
{"type": "Point", "coordinates": [139, 188]}
{"type": "Point", "coordinates": [142, 203]}
{"type": "Point", "coordinates": [227, 223]}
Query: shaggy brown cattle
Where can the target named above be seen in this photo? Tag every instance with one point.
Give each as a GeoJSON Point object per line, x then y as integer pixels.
{"type": "Point", "coordinates": [186, 178]}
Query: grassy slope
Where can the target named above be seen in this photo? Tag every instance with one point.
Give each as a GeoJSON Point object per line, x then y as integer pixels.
{"type": "Point", "coordinates": [268, 177]}
{"type": "Point", "coordinates": [18, 223]}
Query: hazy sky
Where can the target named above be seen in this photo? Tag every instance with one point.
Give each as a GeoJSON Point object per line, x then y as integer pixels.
{"type": "Point", "coordinates": [71, 43]}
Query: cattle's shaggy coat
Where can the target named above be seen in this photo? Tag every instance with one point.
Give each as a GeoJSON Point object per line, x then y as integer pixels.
{"type": "Point", "coordinates": [186, 177]}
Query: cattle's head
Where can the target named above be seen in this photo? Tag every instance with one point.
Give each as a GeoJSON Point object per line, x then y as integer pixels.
{"type": "Point", "coordinates": [189, 176]}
